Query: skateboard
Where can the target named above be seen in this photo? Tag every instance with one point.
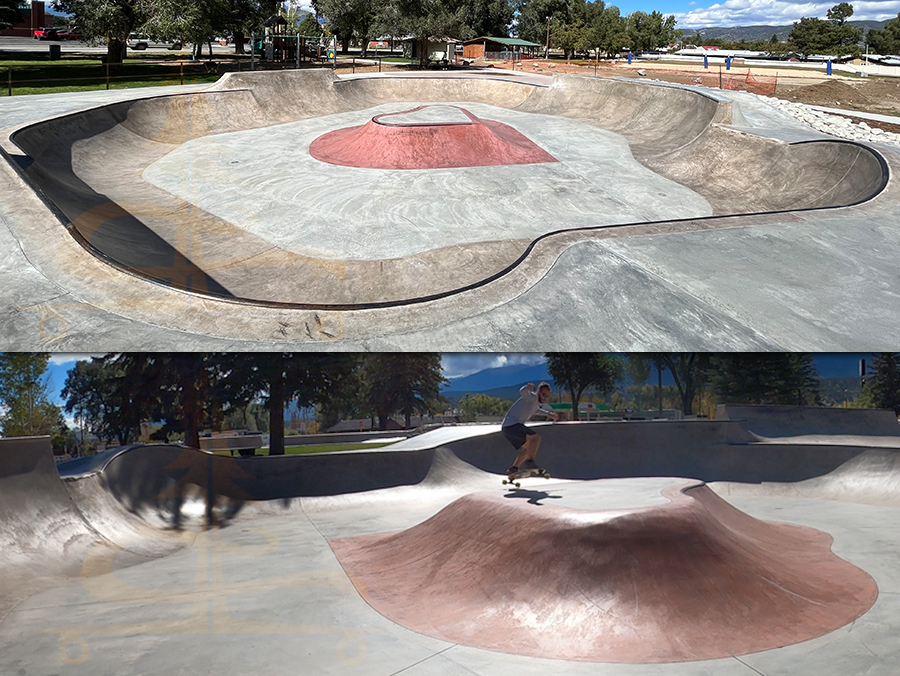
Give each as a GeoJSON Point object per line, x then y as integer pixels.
{"type": "Point", "coordinates": [513, 479]}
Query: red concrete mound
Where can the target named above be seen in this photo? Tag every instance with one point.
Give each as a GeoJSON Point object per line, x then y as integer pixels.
{"type": "Point", "coordinates": [694, 579]}
{"type": "Point", "coordinates": [384, 144]}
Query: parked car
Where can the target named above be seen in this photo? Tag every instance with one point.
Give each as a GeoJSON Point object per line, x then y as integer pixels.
{"type": "Point", "coordinates": [68, 34]}
{"type": "Point", "coordinates": [46, 33]}
{"type": "Point", "coordinates": [140, 42]}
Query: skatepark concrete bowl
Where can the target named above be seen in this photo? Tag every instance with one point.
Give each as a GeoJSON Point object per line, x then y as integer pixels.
{"type": "Point", "coordinates": [713, 547]}
{"type": "Point", "coordinates": [220, 193]}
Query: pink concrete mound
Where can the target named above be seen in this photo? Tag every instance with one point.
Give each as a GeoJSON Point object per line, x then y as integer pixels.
{"type": "Point", "coordinates": [694, 579]}
{"type": "Point", "coordinates": [389, 142]}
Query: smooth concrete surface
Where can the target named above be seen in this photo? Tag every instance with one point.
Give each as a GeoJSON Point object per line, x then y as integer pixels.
{"type": "Point", "coordinates": [265, 592]}
{"type": "Point", "coordinates": [816, 279]}
{"type": "Point", "coordinates": [266, 182]}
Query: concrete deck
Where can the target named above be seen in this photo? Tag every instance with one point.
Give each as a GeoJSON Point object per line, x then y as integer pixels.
{"type": "Point", "coordinates": [93, 587]}
{"type": "Point", "coordinates": [191, 227]}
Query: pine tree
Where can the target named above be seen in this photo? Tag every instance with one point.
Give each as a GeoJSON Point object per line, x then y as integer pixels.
{"type": "Point", "coordinates": [883, 385]}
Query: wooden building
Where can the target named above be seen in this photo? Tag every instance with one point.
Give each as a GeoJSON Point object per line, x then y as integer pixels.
{"type": "Point", "coordinates": [488, 48]}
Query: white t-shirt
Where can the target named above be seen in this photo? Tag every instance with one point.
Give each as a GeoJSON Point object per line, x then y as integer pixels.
{"type": "Point", "coordinates": [526, 406]}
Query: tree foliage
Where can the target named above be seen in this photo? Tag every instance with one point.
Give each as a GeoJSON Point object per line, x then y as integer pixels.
{"type": "Point", "coordinates": [101, 395]}
{"type": "Point", "coordinates": [402, 382]}
{"type": "Point", "coordinates": [650, 31]}
{"type": "Point", "coordinates": [886, 40]}
{"type": "Point", "coordinates": [764, 378]}
{"type": "Point", "coordinates": [688, 370]}
{"type": "Point", "coordinates": [10, 13]}
{"type": "Point", "coordinates": [473, 405]}
{"type": "Point", "coordinates": [882, 389]}
{"type": "Point", "coordinates": [578, 371]}
{"type": "Point", "coordinates": [25, 407]}
{"type": "Point", "coordinates": [832, 36]}
{"type": "Point", "coordinates": [105, 20]}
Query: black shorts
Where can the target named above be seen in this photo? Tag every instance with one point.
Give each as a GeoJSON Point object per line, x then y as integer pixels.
{"type": "Point", "coordinates": [517, 434]}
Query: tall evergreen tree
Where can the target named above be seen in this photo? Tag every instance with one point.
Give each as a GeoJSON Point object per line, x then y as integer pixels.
{"type": "Point", "coordinates": [883, 381]}
{"type": "Point", "coordinates": [402, 382]}
{"type": "Point", "coordinates": [886, 40]}
{"type": "Point", "coordinates": [278, 378]}
{"type": "Point", "coordinates": [764, 378]}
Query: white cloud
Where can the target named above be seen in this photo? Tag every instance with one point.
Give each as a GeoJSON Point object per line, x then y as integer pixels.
{"type": "Point", "coordinates": [458, 365]}
{"type": "Point", "coordinates": [779, 12]}
{"type": "Point", "coordinates": [70, 358]}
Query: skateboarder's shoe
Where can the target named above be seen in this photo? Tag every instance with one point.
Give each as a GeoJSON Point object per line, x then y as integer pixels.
{"type": "Point", "coordinates": [512, 470]}
{"type": "Point", "coordinates": [529, 464]}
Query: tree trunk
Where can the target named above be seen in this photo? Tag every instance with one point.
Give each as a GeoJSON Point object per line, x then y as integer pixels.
{"type": "Point", "coordinates": [276, 416]}
{"type": "Point", "coordinates": [115, 51]}
{"type": "Point", "coordinates": [191, 420]}
{"type": "Point", "coordinates": [238, 43]}
{"type": "Point", "coordinates": [345, 44]}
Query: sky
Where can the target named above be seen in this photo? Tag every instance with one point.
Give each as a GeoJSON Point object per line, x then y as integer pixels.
{"type": "Point", "coordinates": [698, 13]}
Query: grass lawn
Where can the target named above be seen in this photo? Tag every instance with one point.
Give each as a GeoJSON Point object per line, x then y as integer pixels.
{"type": "Point", "coordinates": [320, 448]}
{"type": "Point", "coordinates": [40, 75]}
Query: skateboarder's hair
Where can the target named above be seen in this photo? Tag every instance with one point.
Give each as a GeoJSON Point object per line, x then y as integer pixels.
{"type": "Point", "coordinates": [543, 386]}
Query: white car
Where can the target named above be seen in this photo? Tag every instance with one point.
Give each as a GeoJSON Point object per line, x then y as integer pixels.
{"type": "Point", "coordinates": [140, 42]}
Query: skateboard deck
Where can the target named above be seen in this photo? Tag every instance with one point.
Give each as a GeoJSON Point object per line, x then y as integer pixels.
{"type": "Point", "coordinates": [513, 479]}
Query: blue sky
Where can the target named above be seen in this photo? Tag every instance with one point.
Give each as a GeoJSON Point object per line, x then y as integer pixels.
{"type": "Point", "coordinates": [697, 13]}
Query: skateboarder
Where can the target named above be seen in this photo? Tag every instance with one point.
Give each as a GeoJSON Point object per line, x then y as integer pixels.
{"type": "Point", "coordinates": [523, 439]}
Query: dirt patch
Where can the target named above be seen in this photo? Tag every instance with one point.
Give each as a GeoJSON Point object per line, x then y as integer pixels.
{"type": "Point", "coordinates": [835, 93]}
{"type": "Point", "coordinates": [879, 95]}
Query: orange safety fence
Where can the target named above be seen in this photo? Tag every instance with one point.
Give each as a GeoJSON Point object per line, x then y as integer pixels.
{"type": "Point", "coordinates": [746, 82]}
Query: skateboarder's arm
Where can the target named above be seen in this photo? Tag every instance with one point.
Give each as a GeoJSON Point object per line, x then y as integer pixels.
{"type": "Point", "coordinates": [547, 411]}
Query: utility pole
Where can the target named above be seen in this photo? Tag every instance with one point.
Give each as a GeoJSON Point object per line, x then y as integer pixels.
{"type": "Point", "coordinates": [547, 47]}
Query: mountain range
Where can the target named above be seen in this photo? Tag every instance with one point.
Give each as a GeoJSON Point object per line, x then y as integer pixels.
{"type": "Point", "coordinates": [764, 33]}
{"type": "Point", "coordinates": [504, 382]}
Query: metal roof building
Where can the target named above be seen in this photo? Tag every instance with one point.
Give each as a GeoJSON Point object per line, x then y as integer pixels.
{"type": "Point", "coordinates": [483, 47]}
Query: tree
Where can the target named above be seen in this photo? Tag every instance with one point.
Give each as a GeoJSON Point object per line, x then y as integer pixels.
{"type": "Point", "coordinates": [882, 387]}
{"type": "Point", "coordinates": [180, 388]}
{"type": "Point", "coordinates": [688, 370]}
{"type": "Point", "coordinates": [473, 405]}
{"type": "Point", "coordinates": [534, 15]}
{"type": "Point", "coordinates": [608, 30]}
{"type": "Point", "coordinates": [834, 36]}
{"type": "Point", "coordinates": [10, 13]}
{"type": "Point", "coordinates": [347, 19]}
{"type": "Point", "coordinates": [103, 397]}
{"type": "Point", "coordinates": [577, 371]}
{"type": "Point", "coordinates": [24, 396]}
{"type": "Point", "coordinates": [887, 40]}
{"type": "Point", "coordinates": [764, 378]}
{"type": "Point", "coordinates": [309, 26]}
{"type": "Point", "coordinates": [277, 378]}
{"type": "Point", "coordinates": [110, 20]}
{"type": "Point", "coordinates": [844, 37]}
{"type": "Point", "coordinates": [402, 382]}
{"type": "Point", "coordinates": [650, 31]}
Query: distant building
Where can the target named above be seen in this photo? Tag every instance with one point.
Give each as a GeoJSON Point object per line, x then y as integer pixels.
{"type": "Point", "coordinates": [486, 48]}
{"type": "Point", "coordinates": [436, 49]}
{"type": "Point", "coordinates": [34, 18]}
